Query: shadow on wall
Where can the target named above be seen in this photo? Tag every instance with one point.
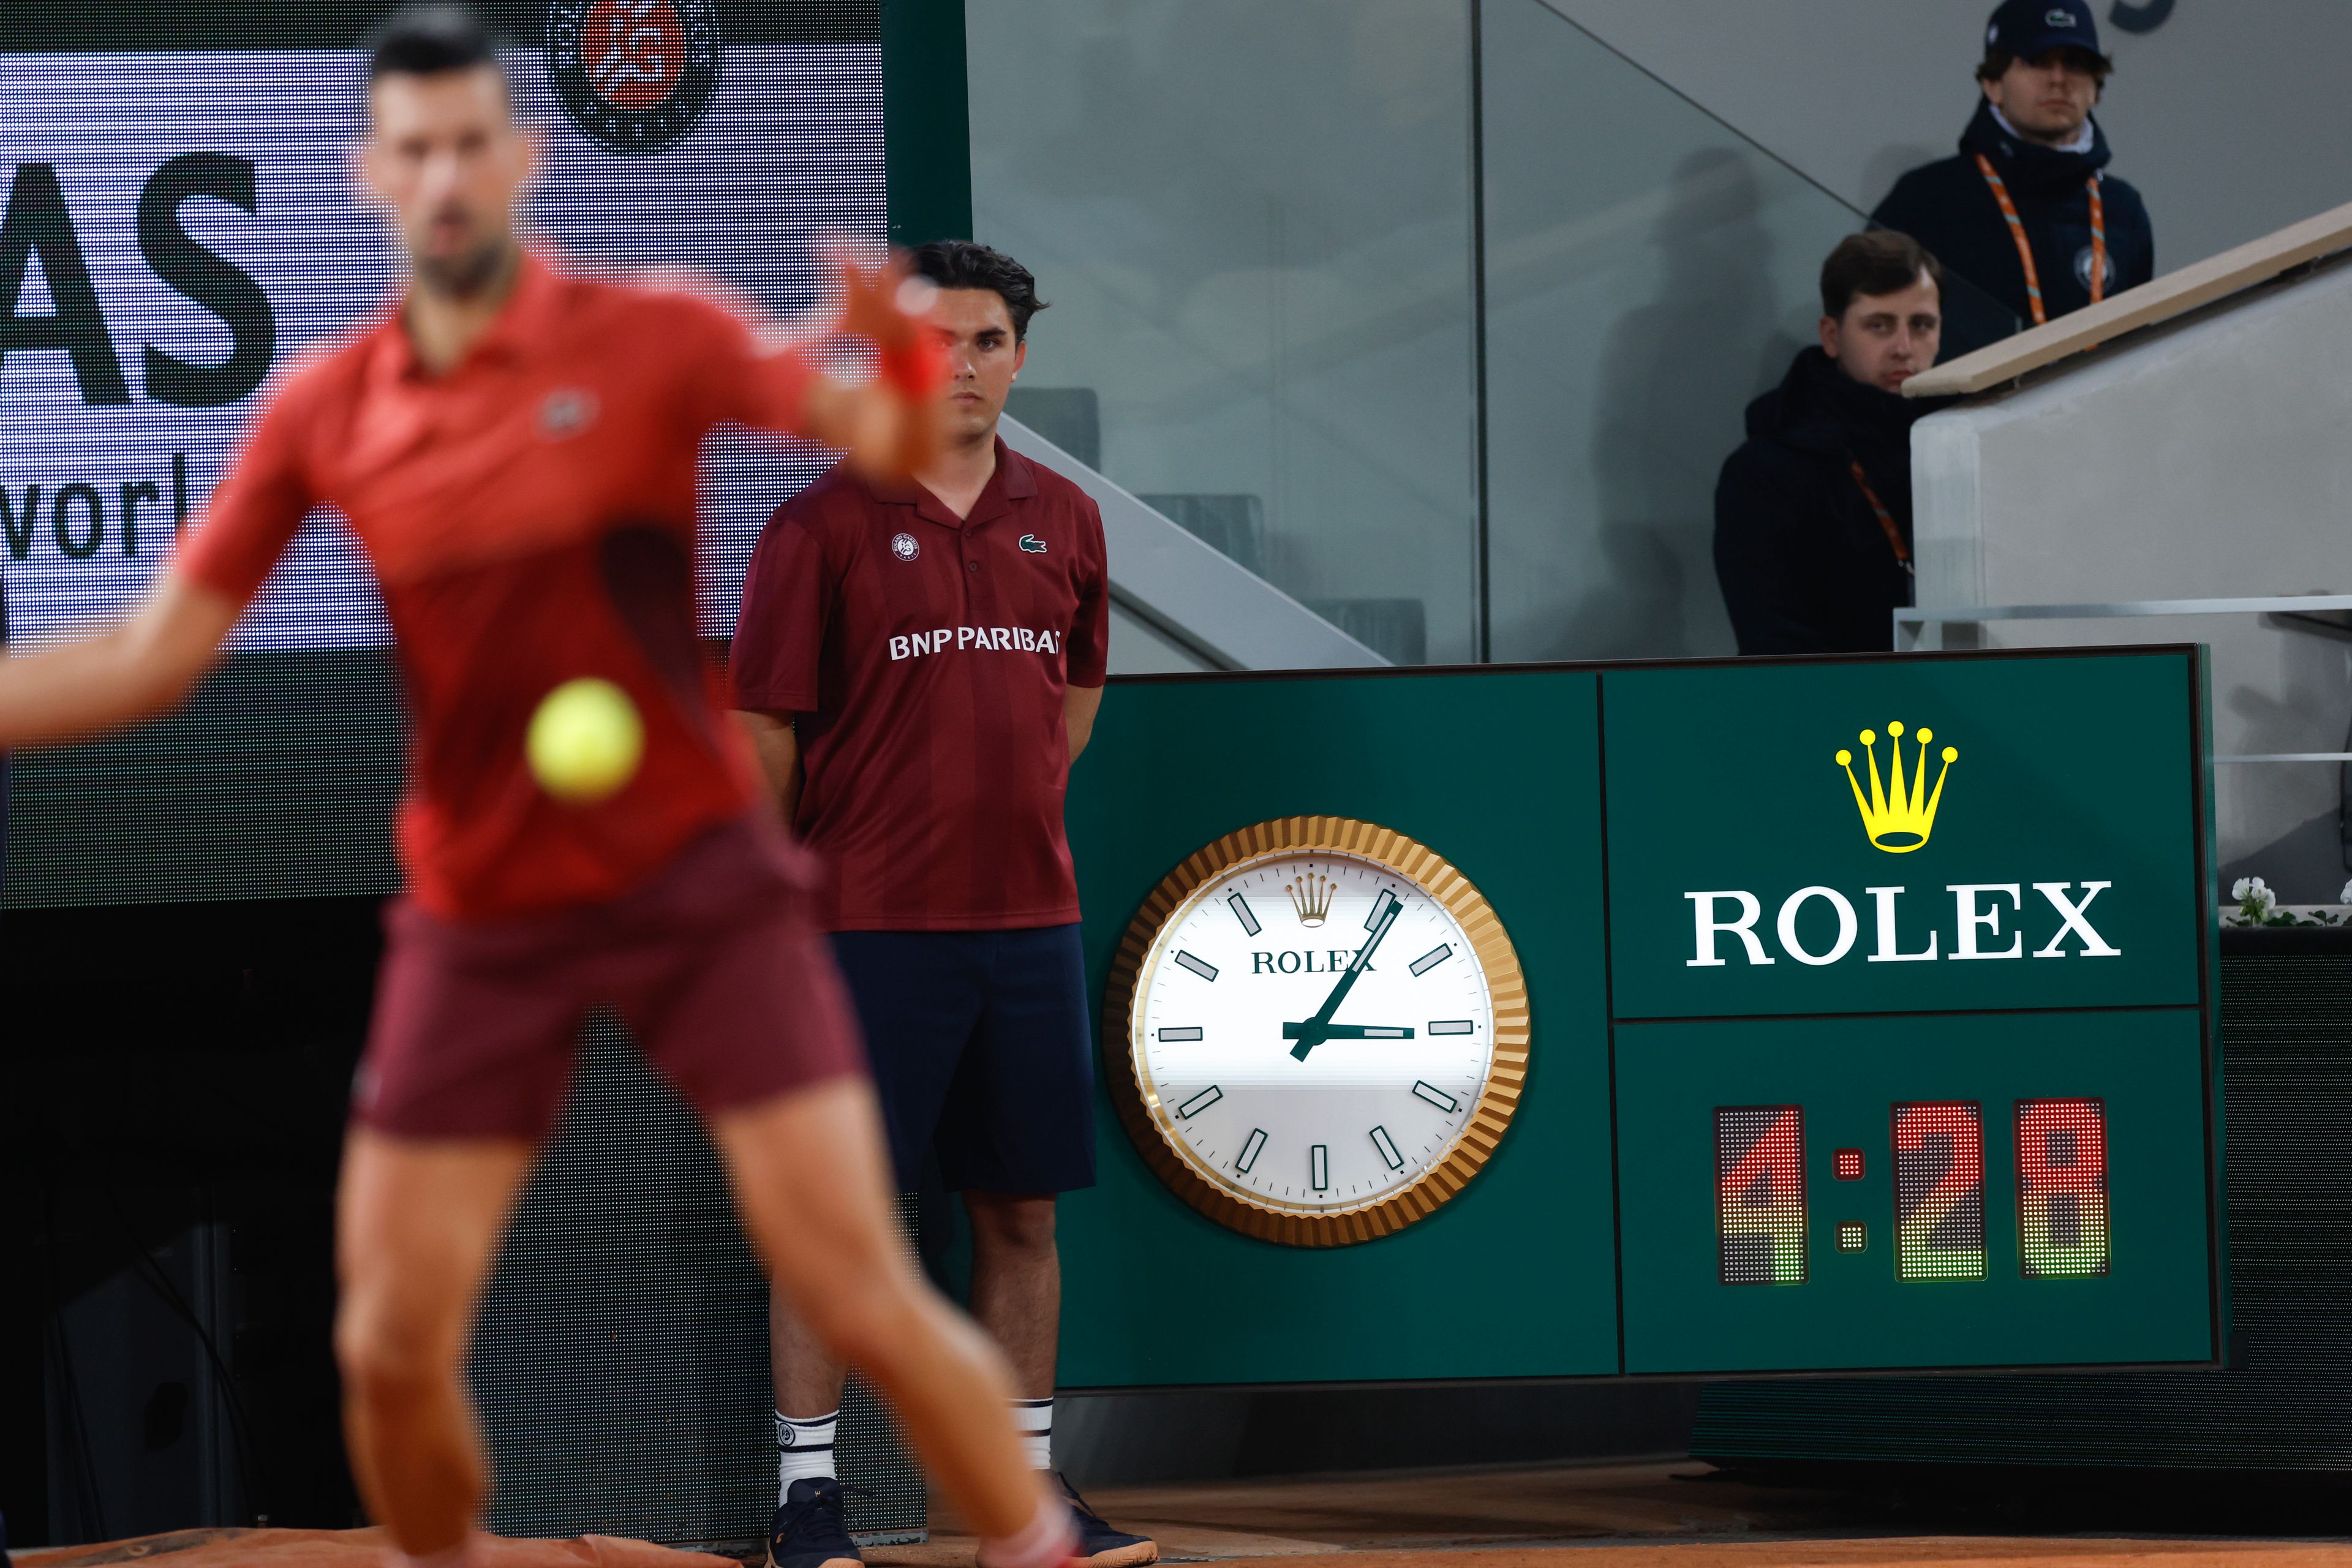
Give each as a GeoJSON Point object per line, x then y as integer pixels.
{"type": "Point", "coordinates": [1672, 406]}
{"type": "Point", "coordinates": [1141, 1439]}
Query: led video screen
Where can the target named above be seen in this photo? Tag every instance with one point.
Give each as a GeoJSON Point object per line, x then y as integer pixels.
{"type": "Point", "coordinates": [179, 226]}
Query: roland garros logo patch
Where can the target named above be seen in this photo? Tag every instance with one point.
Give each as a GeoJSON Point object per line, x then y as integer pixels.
{"type": "Point", "coordinates": [636, 75]}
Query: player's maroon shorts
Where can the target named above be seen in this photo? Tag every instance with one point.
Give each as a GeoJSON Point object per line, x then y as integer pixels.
{"type": "Point", "coordinates": [715, 964]}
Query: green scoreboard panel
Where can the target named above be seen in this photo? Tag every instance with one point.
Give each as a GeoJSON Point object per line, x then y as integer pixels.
{"type": "Point", "coordinates": [1847, 1014]}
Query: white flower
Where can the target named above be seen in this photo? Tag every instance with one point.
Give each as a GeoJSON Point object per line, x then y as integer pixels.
{"type": "Point", "coordinates": [2238, 889]}
{"type": "Point", "coordinates": [2346, 896]}
{"type": "Point", "coordinates": [2262, 898]}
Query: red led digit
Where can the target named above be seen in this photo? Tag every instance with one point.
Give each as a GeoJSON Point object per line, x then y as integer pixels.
{"type": "Point", "coordinates": [1760, 1193]}
{"type": "Point", "coordinates": [2062, 1187]}
{"type": "Point", "coordinates": [1845, 1165]}
{"type": "Point", "coordinates": [1939, 1219]}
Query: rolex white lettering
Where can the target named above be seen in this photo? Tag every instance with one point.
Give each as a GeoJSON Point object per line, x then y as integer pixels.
{"type": "Point", "coordinates": [1710, 926]}
{"type": "Point", "coordinates": [2072, 921]}
{"type": "Point", "coordinates": [1984, 916]}
{"type": "Point", "coordinates": [1980, 917]}
{"type": "Point", "coordinates": [1890, 946]}
{"type": "Point", "coordinates": [1788, 926]}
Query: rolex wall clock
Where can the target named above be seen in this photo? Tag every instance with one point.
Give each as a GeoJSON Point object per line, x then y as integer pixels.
{"type": "Point", "coordinates": [1317, 1031]}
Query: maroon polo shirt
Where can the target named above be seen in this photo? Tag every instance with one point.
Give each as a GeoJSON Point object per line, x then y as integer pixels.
{"type": "Point", "coordinates": [925, 657]}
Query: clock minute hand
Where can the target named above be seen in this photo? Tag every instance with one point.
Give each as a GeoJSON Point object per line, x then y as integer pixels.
{"type": "Point", "coordinates": [1348, 1031]}
{"type": "Point", "coordinates": [1315, 1030]}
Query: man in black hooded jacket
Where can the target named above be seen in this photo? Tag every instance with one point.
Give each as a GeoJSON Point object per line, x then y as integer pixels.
{"type": "Point", "coordinates": [1812, 513]}
{"type": "Point", "coordinates": [2027, 212]}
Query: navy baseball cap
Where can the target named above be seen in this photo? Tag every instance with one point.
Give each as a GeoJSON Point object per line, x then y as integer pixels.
{"type": "Point", "coordinates": [2031, 29]}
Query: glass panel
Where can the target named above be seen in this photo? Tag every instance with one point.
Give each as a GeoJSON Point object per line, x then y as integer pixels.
{"type": "Point", "coordinates": [1760, 1193]}
{"type": "Point", "coordinates": [1649, 271]}
{"type": "Point", "coordinates": [1254, 224]}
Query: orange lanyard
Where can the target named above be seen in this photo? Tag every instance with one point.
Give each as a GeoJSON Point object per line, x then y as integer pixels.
{"type": "Point", "coordinates": [2025, 250]}
{"type": "Point", "coordinates": [1885, 517]}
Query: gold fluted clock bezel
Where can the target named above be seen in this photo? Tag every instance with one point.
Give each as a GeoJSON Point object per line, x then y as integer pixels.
{"type": "Point", "coordinates": [1507, 992]}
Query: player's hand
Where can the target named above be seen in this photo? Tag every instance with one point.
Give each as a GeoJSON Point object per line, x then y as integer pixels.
{"type": "Point", "coordinates": [891, 425]}
{"type": "Point", "coordinates": [887, 305]}
{"type": "Point", "coordinates": [888, 435]}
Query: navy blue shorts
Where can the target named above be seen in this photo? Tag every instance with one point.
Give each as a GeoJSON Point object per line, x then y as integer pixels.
{"type": "Point", "coordinates": [980, 1051]}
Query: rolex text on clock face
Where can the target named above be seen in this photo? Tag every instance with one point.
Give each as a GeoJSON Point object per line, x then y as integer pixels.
{"type": "Point", "coordinates": [1313, 1031]}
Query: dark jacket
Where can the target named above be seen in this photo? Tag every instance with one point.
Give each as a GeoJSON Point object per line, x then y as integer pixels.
{"type": "Point", "coordinates": [1804, 564]}
{"type": "Point", "coordinates": [1948, 207]}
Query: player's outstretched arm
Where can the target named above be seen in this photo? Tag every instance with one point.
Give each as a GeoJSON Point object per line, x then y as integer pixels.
{"type": "Point", "coordinates": [141, 667]}
{"type": "Point", "coordinates": [887, 433]}
{"type": "Point", "coordinates": [768, 379]}
{"type": "Point", "coordinates": [889, 425]}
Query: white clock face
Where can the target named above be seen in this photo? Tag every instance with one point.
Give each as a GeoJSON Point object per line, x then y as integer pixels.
{"type": "Point", "coordinates": [1313, 1031]}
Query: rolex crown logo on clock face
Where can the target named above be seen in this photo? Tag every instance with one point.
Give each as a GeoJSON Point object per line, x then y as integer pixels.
{"type": "Point", "coordinates": [1318, 1030]}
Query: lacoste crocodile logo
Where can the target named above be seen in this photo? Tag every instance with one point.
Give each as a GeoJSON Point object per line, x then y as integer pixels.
{"type": "Point", "coordinates": [1032, 544]}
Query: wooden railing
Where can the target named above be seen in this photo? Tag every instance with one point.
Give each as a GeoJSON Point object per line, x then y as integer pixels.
{"type": "Point", "coordinates": [2158, 300]}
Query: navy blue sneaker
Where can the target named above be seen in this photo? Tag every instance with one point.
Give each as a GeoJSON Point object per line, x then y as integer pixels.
{"type": "Point", "coordinates": [1099, 1545]}
{"type": "Point", "coordinates": [810, 1530]}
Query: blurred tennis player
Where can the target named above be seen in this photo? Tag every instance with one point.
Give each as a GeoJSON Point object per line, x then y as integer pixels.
{"type": "Point", "coordinates": [515, 451]}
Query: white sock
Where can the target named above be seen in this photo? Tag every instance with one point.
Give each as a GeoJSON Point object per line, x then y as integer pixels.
{"type": "Point", "coordinates": [1047, 1540]}
{"type": "Point", "coordinates": [1033, 1419]}
{"type": "Point", "coordinates": [803, 1449]}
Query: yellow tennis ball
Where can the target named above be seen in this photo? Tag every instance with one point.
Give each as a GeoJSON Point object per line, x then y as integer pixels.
{"type": "Point", "coordinates": [585, 741]}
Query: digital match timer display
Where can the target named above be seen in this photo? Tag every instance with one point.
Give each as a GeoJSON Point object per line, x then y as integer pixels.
{"type": "Point", "coordinates": [2062, 1187]}
{"type": "Point", "coordinates": [1937, 1154]}
{"type": "Point", "coordinates": [1939, 1192]}
{"type": "Point", "coordinates": [1760, 1185]}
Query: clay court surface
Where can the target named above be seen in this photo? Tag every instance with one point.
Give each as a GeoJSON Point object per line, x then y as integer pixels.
{"type": "Point", "coordinates": [1665, 1515]}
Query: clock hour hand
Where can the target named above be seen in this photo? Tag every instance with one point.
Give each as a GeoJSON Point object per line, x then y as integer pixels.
{"type": "Point", "coordinates": [1318, 1029]}
{"type": "Point", "coordinates": [1347, 1032]}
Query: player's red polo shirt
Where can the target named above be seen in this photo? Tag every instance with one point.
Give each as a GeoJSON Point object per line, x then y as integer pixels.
{"type": "Point", "coordinates": [926, 657]}
{"type": "Point", "coordinates": [530, 516]}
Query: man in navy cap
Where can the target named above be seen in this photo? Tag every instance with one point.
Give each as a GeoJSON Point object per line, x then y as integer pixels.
{"type": "Point", "coordinates": [2027, 213]}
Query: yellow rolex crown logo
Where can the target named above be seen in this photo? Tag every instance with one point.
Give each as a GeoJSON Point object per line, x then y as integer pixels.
{"type": "Point", "coordinates": [1311, 897]}
{"type": "Point", "coordinates": [1898, 816]}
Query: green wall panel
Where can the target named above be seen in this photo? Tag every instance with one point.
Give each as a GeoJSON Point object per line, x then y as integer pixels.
{"type": "Point", "coordinates": [2153, 1304]}
{"type": "Point", "coordinates": [926, 121]}
{"type": "Point", "coordinates": [1499, 774]}
{"type": "Point", "coordinates": [2071, 771]}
